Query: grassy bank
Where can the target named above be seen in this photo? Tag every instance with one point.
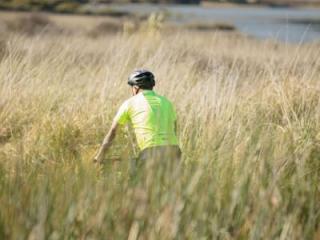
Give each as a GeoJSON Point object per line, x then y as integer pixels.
{"type": "Point", "coordinates": [248, 125]}
{"type": "Point", "coordinates": [95, 26]}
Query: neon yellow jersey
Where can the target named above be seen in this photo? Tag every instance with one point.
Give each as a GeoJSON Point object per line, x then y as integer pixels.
{"type": "Point", "coordinates": [152, 117]}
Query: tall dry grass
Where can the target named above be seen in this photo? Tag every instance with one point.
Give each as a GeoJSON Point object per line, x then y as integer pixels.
{"type": "Point", "coordinates": [248, 125]}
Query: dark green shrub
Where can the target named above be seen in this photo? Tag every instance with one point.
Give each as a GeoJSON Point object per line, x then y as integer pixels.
{"type": "Point", "coordinates": [67, 7]}
{"type": "Point", "coordinates": [211, 26]}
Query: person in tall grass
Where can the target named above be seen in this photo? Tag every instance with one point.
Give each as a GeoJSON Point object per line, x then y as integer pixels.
{"type": "Point", "coordinates": [152, 117]}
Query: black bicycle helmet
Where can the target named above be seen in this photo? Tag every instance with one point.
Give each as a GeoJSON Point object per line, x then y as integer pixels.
{"type": "Point", "coordinates": [142, 79]}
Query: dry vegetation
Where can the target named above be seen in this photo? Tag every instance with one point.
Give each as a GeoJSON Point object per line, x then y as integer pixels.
{"type": "Point", "coordinates": [249, 115]}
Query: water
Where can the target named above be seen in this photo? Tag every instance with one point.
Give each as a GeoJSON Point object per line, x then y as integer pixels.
{"type": "Point", "coordinates": [293, 25]}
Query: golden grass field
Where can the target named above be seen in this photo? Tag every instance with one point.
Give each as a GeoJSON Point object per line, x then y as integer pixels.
{"type": "Point", "coordinates": [249, 117]}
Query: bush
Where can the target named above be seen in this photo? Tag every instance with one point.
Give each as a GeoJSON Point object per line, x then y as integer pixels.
{"type": "Point", "coordinates": [24, 5]}
{"type": "Point", "coordinates": [106, 27]}
{"type": "Point", "coordinates": [32, 24]}
{"type": "Point", "coordinates": [105, 11]}
{"type": "Point", "coordinates": [67, 7]}
{"type": "Point", "coordinates": [211, 27]}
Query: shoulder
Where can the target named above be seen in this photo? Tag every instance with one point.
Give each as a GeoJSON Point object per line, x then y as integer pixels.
{"type": "Point", "coordinates": [165, 100]}
{"type": "Point", "coordinates": [129, 101]}
{"type": "Point", "coordinates": [125, 105]}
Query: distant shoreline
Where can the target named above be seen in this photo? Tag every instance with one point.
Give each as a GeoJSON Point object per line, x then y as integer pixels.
{"type": "Point", "coordinates": [85, 9]}
{"type": "Point", "coordinates": [259, 5]}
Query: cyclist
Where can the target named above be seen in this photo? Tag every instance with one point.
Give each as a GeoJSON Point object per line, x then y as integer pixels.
{"type": "Point", "coordinates": [152, 117]}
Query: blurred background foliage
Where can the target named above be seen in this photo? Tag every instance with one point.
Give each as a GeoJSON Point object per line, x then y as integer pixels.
{"type": "Point", "coordinates": [77, 6]}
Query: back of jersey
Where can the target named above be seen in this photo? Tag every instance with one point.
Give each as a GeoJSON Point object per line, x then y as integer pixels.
{"type": "Point", "coordinates": [153, 119]}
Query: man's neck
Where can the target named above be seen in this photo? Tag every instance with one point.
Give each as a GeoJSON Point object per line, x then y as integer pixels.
{"type": "Point", "coordinates": [144, 91]}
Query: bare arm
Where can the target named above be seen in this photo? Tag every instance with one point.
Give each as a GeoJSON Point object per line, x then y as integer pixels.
{"type": "Point", "coordinates": [106, 143]}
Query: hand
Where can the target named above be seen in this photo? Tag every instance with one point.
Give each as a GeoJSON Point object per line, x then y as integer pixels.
{"type": "Point", "coordinates": [98, 159]}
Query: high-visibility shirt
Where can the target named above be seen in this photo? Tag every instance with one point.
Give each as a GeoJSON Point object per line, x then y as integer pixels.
{"type": "Point", "coordinates": [152, 117]}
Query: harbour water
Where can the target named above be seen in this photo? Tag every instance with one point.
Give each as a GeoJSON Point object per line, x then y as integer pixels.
{"type": "Point", "coordinates": [293, 25]}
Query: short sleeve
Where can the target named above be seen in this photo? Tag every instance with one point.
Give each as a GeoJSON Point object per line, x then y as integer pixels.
{"type": "Point", "coordinates": [122, 116]}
